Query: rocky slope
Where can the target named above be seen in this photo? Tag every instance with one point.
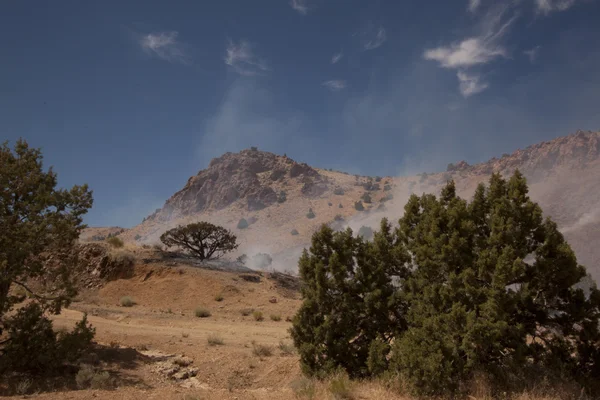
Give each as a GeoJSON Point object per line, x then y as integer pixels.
{"type": "Point", "coordinates": [275, 194]}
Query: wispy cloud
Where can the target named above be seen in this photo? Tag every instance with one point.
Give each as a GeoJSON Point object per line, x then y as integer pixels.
{"type": "Point", "coordinates": [335, 85]}
{"type": "Point", "coordinates": [373, 37]}
{"type": "Point", "coordinates": [547, 6]}
{"type": "Point", "coordinates": [337, 57]}
{"type": "Point", "coordinates": [475, 50]}
{"type": "Point", "coordinates": [240, 56]}
{"type": "Point", "coordinates": [300, 6]}
{"type": "Point", "coordinates": [470, 84]}
{"type": "Point", "coordinates": [532, 53]}
{"type": "Point", "coordinates": [474, 5]}
{"type": "Point", "coordinates": [164, 45]}
{"type": "Point", "coordinates": [469, 52]}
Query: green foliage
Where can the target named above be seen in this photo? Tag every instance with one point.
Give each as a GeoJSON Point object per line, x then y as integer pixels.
{"type": "Point", "coordinates": [387, 187]}
{"type": "Point", "coordinates": [36, 220]}
{"type": "Point", "coordinates": [202, 312]}
{"type": "Point", "coordinates": [275, 317]}
{"type": "Point", "coordinates": [115, 242]}
{"type": "Point", "coordinates": [359, 206]}
{"type": "Point", "coordinates": [377, 362]}
{"type": "Point", "coordinates": [449, 294]}
{"type": "Point", "coordinates": [127, 301]}
{"type": "Point", "coordinates": [294, 232]}
{"type": "Point", "coordinates": [366, 197]}
{"type": "Point", "coordinates": [310, 214]}
{"type": "Point", "coordinates": [32, 346]}
{"type": "Point", "coordinates": [377, 179]}
{"type": "Point", "coordinates": [340, 386]}
{"type": "Point", "coordinates": [345, 279]}
{"type": "Point", "coordinates": [202, 240]}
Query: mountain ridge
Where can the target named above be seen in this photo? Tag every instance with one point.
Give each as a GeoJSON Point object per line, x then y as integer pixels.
{"type": "Point", "coordinates": [275, 194]}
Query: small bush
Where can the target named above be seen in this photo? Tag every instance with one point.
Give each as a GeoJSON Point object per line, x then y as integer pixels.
{"type": "Point", "coordinates": [88, 377]}
{"type": "Point", "coordinates": [366, 197]}
{"type": "Point", "coordinates": [115, 242]}
{"type": "Point", "coordinates": [282, 197]}
{"type": "Point", "coordinates": [275, 317]}
{"type": "Point", "coordinates": [377, 179]}
{"type": "Point", "coordinates": [340, 387]}
{"type": "Point", "coordinates": [286, 349]}
{"type": "Point", "coordinates": [338, 191]}
{"type": "Point", "coordinates": [202, 312]}
{"type": "Point", "coordinates": [219, 297]}
{"type": "Point", "coordinates": [261, 350]}
{"type": "Point", "coordinates": [359, 206]}
{"type": "Point", "coordinates": [247, 311]}
{"type": "Point", "coordinates": [387, 187]}
{"type": "Point", "coordinates": [304, 388]}
{"type": "Point", "coordinates": [294, 232]}
{"type": "Point", "coordinates": [310, 214]}
{"type": "Point", "coordinates": [258, 315]}
{"type": "Point", "coordinates": [340, 205]}
{"type": "Point", "coordinates": [215, 340]}
{"type": "Point", "coordinates": [127, 301]}
{"type": "Point", "coordinates": [185, 335]}
{"type": "Point", "coordinates": [242, 224]}
{"type": "Point", "coordinates": [137, 237]}
{"type": "Point", "coordinates": [338, 218]}
{"type": "Point", "coordinates": [330, 204]}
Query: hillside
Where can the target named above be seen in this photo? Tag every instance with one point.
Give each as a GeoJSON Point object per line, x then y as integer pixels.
{"type": "Point", "coordinates": [275, 193]}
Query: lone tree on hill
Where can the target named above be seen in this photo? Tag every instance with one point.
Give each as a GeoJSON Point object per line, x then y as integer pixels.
{"type": "Point", "coordinates": [458, 289]}
{"type": "Point", "coordinates": [37, 221]}
{"type": "Point", "coordinates": [202, 240]}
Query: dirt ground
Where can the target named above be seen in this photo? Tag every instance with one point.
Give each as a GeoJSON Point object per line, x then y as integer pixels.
{"type": "Point", "coordinates": [228, 355]}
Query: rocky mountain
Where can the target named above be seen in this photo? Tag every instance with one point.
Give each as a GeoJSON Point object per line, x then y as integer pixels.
{"type": "Point", "coordinates": [284, 201]}
{"type": "Point", "coordinates": [247, 177]}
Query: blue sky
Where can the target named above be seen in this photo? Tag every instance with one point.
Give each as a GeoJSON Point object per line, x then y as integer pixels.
{"type": "Point", "coordinates": [133, 97]}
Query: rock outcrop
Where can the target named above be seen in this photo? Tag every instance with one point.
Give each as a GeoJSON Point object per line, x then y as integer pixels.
{"type": "Point", "coordinates": [246, 176]}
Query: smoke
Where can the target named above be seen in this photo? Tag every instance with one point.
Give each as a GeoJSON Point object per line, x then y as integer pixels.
{"type": "Point", "coordinates": [586, 219]}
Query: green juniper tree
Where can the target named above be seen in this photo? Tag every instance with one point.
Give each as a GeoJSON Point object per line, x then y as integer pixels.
{"type": "Point", "coordinates": [458, 288]}
{"type": "Point", "coordinates": [349, 301]}
{"type": "Point", "coordinates": [37, 222]}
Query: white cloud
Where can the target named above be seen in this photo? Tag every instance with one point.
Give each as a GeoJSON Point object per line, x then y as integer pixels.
{"type": "Point", "coordinates": [337, 57]}
{"type": "Point", "coordinates": [476, 50]}
{"type": "Point", "coordinates": [532, 53]}
{"type": "Point", "coordinates": [547, 6]}
{"type": "Point", "coordinates": [242, 59]}
{"type": "Point", "coordinates": [300, 6]}
{"type": "Point", "coordinates": [374, 38]}
{"type": "Point", "coordinates": [335, 85]}
{"type": "Point", "coordinates": [469, 52]}
{"type": "Point", "coordinates": [474, 5]}
{"type": "Point", "coordinates": [470, 84]}
{"type": "Point", "coordinates": [164, 45]}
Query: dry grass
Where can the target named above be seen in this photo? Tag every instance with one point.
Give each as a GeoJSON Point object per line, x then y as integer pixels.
{"type": "Point", "coordinates": [202, 312]}
{"type": "Point", "coordinates": [215, 340]}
